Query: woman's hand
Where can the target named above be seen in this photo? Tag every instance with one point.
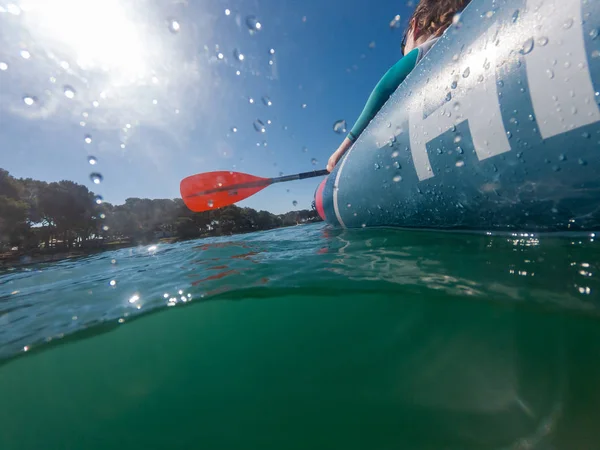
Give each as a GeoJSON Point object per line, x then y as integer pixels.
{"type": "Point", "coordinates": [334, 158]}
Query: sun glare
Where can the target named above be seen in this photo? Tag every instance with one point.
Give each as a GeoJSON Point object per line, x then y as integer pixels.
{"type": "Point", "coordinates": [98, 33]}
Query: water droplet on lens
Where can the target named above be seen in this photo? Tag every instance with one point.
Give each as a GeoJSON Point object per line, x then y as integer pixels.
{"type": "Point", "coordinates": [466, 73]}
{"type": "Point", "coordinates": [266, 101]}
{"type": "Point", "coordinates": [98, 199]}
{"type": "Point", "coordinates": [582, 162]}
{"type": "Point", "coordinates": [259, 126]}
{"type": "Point", "coordinates": [220, 55]}
{"type": "Point", "coordinates": [515, 16]}
{"type": "Point", "coordinates": [459, 163]}
{"type": "Point", "coordinates": [87, 139]}
{"type": "Point", "coordinates": [568, 23]}
{"type": "Point", "coordinates": [339, 126]}
{"type": "Point", "coordinates": [234, 129]}
{"type": "Point", "coordinates": [29, 100]}
{"type": "Point", "coordinates": [174, 25]}
{"type": "Point", "coordinates": [25, 54]}
{"type": "Point", "coordinates": [210, 203]}
{"type": "Point", "coordinates": [542, 41]}
{"type": "Point", "coordinates": [304, 149]}
{"type": "Point", "coordinates": [550, 73]}
{"type": "Point", "coordinates": [272, 51]}
{"type": "Point", "coordinates": [562, 157]}
{"type": "Point", "coordinates": [508, 134]}
{"type": "Point", "coordinates": [489, 14]}
{"type": "Point", "coordinates": [237, 55]}
{"type": "Point", "coordinates": [457, 138]}
{"type": "Point", "coordinates": [250, 100]}
{"type": "Point", "coordinates": [3, 66]}
{"type": "Point", "coordinates": [459, 150]}
{"type": "Point", "coordinates": [396, 165]}
{"type": "Point", "coordinates": [314, 161]}
{"type": "Point", "coordinates": [448, 96]}
{"type": "Point", "coordinates": [395, 22]}
{"type": "Point", "coordinates": [397, 178]}
{"type": "Point", "coordinates": [377, 166]}
{"type": "Point", "coordinates": [586, 135]}
{"type": "Point", "coordinates": [594, 33]}
{"type": "Point", "coordinates": [303, 105]}
{"type": "Point", "coordinates": [295, 203]}
{"type": "Point", "coordinates": [454, 84]}
{"type": "Point", "coordinates": [531, 117]}
{"type": "Point", "coordinates": [69, 91]}
{"type": "Point", "coordinates": [92, 160]}
{"type": "Point", "coordinates": [527, 47]}
{"type": "Point", "coordinates": [96, 177]}
{"type": "Point", "coordinates": [253, 24]}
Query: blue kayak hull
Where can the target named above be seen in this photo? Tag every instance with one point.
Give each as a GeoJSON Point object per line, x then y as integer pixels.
{"type": "Point", "coordinates": [497, 128]}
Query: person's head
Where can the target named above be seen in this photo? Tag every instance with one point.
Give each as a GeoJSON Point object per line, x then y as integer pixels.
{"type": "Point", "coordinates": [430, 19]}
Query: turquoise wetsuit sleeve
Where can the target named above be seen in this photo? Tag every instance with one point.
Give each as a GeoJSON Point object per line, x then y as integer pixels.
{"type": "Point", "coordinates": [382, 92]}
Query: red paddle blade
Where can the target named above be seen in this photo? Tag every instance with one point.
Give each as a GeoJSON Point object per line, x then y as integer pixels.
{"type": "Point", "coordinates": [212, 190]}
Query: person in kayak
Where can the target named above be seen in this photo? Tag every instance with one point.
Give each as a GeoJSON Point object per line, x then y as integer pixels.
{"type": "Point", "coordinates": [429, 20]}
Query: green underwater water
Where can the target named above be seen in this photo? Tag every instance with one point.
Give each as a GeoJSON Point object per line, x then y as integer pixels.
{"type": "Point", "coordinates": [307, 337]}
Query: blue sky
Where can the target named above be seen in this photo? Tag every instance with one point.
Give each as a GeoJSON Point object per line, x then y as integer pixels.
{"type": "Point", "coordinates": [171, 100]}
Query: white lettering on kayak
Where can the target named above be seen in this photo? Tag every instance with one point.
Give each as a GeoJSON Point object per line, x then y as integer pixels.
{"type": "Point", "coordinates": [557, 72]}
{"type": "Point", "coordinates": [474, 99]}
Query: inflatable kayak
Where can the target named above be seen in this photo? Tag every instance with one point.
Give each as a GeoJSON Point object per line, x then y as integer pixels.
{"type": "Point", "coordinates": [498, 127]}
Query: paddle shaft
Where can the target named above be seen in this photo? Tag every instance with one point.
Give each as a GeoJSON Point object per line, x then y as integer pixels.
{"type": "Point", "coordinates": [265, 182]}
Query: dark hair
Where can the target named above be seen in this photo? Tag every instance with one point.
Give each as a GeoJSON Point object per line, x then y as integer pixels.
{"type": "Point", "coordinates": [432, 17]}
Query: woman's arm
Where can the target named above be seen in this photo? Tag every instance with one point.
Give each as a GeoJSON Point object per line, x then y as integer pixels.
{"type": "Point", "coordinates": [382, 92]}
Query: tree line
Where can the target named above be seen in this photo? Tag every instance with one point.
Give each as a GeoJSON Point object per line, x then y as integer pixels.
{"type": "Point", "coordinates": [66, 215]}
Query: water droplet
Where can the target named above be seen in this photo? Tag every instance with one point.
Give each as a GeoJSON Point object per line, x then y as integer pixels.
{"type": "Point", "coordinates": [87, 139]}
{"type": "Point", "coordinates": [457, 138]}
{"type": "Point", "coordinates": [395, 22]}
{"type": "Point", "coordinates": [234, 129]}
{"type": "Point", "coordinates": [527, 47]}
{"type": "Point", "coordinates": [396, 165]}
{"type": "Point", "coordinates": [542, 41]}
{"type": "Point", "coordinates": [174, 25]}
{"type": "Point", "coordinates": [594, 33]}
{"type": "Point", "coordinates": [550, 73]}
{"type": "Point", "coordinates": [515, 16]}
{"type": "Point", "coordinates": [29, 100]}
{"type": "Point", "coordinates": [454, 84]}
{"type": "Point", "coordinates": [210, 203]}
{"type": "Point", "coordinates": [372, 44]}
{"type": "Point", "coordinates": [568, 23]}
{"type": "Point", "coordinates": [227, 11]}
{"type": "Point", "coordinates": [459, 150]}
{"type": "Point", "coordinates": [582, 162]}
{"type": "Point", "coordinates": [531, 117]}
{"type": "Point", "coordinates": [339, 126]}
{"type": "Point", "coordinates": [586, 135]}
{"type": "Point", "coordinates": [377, 166]}
{"type": "Point", "coordinates": [459, 163]}
{"type": "Point", "coordinates": [295, 203]}
{"type": "Point", "coordinates": [480, 78]}
{"type": "Point", "coordinates": [448, 96]}
{"type": "Point", "coordinates": [3, 66]}
{"type": "Point", "coordinates": [253, 24]}
{"type": "Point", "coordinates": [466, 73]}
{"type": "Point", "coordinates": [69, 91]}
{"type": "Point", "coordinates": [259, 126]}
{"type": "Point", "coordinates": [562, 157]}
{"type": "Point", "coordinates": [266, 101]}
{"type": "Point", "coordinates": [25, 54]}
{"type": "Point", "coordinates": [397, 178]}
{"type": "Point", "coordinates": [596, 54]}
{"type": "Point", "coordinates": [271, 51]}
{"type": "Point", "coordinates": [96, 177]}
{"type": "Point", "coordinates": [456, 106]}
{"type": "Point", "coordinates": [220, 55]}
{"type": "Point", "coordinates": [303, 105]}
{"type": "Point", "coordinates": [92, 160]}
{"type": "Point", "coordinates": [237, 55]}
{"type": "Point", "coordinates": [98, 199]}
{"type": "Point", "coordinates": [95, 103]}
{"type": "Point", "coordinates": [304, 149]}
{"type": "Point", "coordinates": [455, 57]}
{"type": "Point", "coordinates": [439, 151]}
{"type": "Point", "coordinates": [314, 161]}
{"type": "Point", "coordinates": [508, 134]}
{"type": "Point", "coordinates": [250, 100]}
{"type": "Point", "coordinates": [489, 14]}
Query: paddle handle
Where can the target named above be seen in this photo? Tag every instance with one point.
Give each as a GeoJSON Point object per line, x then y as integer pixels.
{"type": "Point", "coordinates": [300, 176]}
